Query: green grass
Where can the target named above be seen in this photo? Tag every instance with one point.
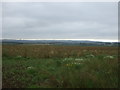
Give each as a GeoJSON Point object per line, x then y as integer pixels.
{"type": "Point", "coordinates": [87, 71]}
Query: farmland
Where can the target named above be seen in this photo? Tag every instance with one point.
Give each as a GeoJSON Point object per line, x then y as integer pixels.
{"type": "Point", "coordinates": [52, 66]}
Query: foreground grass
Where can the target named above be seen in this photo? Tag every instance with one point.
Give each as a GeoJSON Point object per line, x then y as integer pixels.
{"type": "Point", "coordinates": [87, 71]}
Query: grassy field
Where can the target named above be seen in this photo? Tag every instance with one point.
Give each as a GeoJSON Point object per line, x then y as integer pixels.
{"type": "Point", "coordinates": [47, 66]}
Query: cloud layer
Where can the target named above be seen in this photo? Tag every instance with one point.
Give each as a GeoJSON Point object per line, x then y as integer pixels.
{"type": "Point", "coordinates": [62, 20]}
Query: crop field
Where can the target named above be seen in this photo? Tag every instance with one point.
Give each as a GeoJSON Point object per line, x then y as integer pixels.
{"type": "Point", "coordinates": [50, 66]}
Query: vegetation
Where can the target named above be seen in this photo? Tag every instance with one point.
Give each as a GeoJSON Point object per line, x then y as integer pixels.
{"type": "Point", "coordinates": [47, 66]}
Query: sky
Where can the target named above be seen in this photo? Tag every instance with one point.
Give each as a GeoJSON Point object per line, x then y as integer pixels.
{"type": "Point", "coordinates": [60, 20]}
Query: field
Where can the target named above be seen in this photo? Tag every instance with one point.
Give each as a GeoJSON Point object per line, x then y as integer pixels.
{"type": "Point", "coordinates": [48, 66]}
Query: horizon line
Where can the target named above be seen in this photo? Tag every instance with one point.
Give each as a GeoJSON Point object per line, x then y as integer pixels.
{"type": "Point", "coordinates": [102, 40]}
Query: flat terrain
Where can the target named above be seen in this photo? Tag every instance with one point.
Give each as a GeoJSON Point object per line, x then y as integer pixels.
{"type": "Point", "coordinates": [48, 66]}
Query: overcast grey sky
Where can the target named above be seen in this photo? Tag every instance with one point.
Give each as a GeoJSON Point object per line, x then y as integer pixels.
{"type": "Point", "coordinates": [54, 20]}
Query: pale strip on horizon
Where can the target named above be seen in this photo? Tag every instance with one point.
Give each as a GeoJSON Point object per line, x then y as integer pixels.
{"type": "Point", "coordinates": [68, 39]}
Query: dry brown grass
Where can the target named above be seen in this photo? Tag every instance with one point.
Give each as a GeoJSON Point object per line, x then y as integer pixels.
{"type": "Point", "coordinates": [49, 51]}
